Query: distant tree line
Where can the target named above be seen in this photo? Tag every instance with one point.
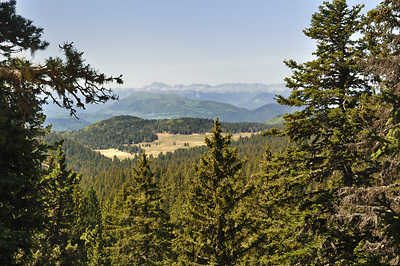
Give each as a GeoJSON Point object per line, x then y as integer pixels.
{"type": "Point", "coordinates": [106, 175]}
{"type": "Point", "coordinates": [122, 131]}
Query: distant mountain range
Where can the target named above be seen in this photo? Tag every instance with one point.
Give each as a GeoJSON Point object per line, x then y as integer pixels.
{"type": "Point", "coordinates": [161, 101]}
{"type": "Point", "coordinates": [161, 106]}
{"type": "Point", "coordinates": [244, 95]}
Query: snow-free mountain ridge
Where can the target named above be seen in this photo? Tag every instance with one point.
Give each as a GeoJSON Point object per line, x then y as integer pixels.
{"type": "Point", "coordinates": [230, 102]}
{"type": "Point", "coordinates": [244, 95]}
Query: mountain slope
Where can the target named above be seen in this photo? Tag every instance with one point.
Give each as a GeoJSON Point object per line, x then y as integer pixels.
{"type": "Point", "coordinates": [164, 106]}
{"type": "Point", "coordinates": [117, 131]}
{"type": "Point", "coordinates": [231, 102]}
{"type": "Point", "coordinates": [249, 96]}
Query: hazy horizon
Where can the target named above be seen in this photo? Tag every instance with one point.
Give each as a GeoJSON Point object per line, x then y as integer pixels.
{"type": "Point", "coordinates": [180, 42]}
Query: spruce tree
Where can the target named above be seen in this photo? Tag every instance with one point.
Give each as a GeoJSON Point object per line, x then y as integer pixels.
{"type": "Point", "coordinates": [21, 210]}
{"type": "Point", "coordinates": [283, 228]}
{"type": "Point", "coordinates": [382, 36]}
{"type": "Point", "coordinates": [89, 227]}
{"type": "Point", "coordinates": [217, 229]}
{"type": "Point", "coordinates": [68, 82]}
{"type": "Point", "coordinates": [20, 157]}
{"type": "Point", "coordinates": [138, 228]}
{"type": "Point", "coordinates": [332, 93]}
{"type": "Point", "coordinates": [58, 243]}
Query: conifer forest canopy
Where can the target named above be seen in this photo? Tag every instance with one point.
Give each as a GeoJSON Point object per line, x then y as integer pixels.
{"type": "Point", "coordinates": [321, 189]}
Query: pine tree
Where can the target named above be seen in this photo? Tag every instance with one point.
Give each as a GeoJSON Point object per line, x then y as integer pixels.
{"type": "Point", "coordinates": [276, 207]}
{"type": "Point", "coordinates": [89, 227]}
{"type": "Point", "coordinates": [217, 230]}
{"type": "Point", "coordinates": [332, 93]}
{"type": "Point", "coordinates": [68, 82]}
{"type": "Point", "coordinates": [58, 244]}
{"type": "Point", "coordinates": [20, 157]}
{"type": "Point", "coordinates": [71, 83]}
{"type": "Point", "coordinates": [21, 210]}
{"type": "Point", "coordinates": [138, 227]}
{"type": "Point", "coordinates": [382, 36]}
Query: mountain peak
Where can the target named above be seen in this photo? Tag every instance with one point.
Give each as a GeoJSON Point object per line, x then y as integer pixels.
{"type": "Point", "coordinates": [221, 88]}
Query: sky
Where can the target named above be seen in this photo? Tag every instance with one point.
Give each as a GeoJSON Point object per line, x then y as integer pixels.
{"type": "Point", "coordinates": [180, 41]}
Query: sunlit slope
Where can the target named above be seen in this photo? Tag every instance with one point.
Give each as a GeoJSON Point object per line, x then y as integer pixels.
{"type": "Point", "coordinates": [126, 130]}
{"type": "Point", "coordinates": [162, 106]}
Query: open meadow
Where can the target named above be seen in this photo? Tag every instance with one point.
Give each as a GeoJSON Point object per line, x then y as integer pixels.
{"type": "Point", "coordinates": [166, 143]}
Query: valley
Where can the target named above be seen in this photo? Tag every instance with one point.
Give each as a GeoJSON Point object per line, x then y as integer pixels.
{"type": "Point", "coordinates": [166, 142]}
{"type": "Point", "coordinates": [152, 176]}
{"type": "Point", "coordinates": [230, 102]}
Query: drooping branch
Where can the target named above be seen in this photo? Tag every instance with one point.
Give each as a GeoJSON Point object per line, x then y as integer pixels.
{"type": "Point", "coordinates": [70, 83]}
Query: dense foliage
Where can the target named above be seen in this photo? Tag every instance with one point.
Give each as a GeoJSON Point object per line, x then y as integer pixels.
{"type": "Point", "coordinates": [328, 197]}
{"type": "Point", "coordinates": [173, 168]}
{"type": "Point", "coordinates": [137, 226]}
{"type": "Point", "coordinates": [119, 131]}
{"type": "Point", "coordinates": [22, 210]}
{"type": "Point", "coordinates": [332, 92]}
{"type": "Point", "coordinates": [217, 229]}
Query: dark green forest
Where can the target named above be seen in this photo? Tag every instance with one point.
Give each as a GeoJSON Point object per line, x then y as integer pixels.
{"type": "Point", "coordinates": [173, 169]}
{"type": "Point", "coordinates": [321, 189]}
{"type": "Point", "coordinates": [118, 131]}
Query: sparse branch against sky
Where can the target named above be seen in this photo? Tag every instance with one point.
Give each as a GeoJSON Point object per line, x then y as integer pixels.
{"type": "Point", "coordinates": [181, 41]}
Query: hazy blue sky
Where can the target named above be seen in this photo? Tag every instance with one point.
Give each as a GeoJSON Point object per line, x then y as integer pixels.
{"type": "Point", "coordinates": [181, 41]}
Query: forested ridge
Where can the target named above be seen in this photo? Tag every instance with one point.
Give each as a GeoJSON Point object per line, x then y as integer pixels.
{"type": "Point", "coordinates": [323, 189]}
{"type": "Point", "coordinates": [118, 131]}
{"type": "Point", "coordinates": [106, 175]}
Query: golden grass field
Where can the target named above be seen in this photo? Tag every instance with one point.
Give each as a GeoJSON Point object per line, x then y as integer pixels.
{"type": "Point", "coordinates": [167, 143]}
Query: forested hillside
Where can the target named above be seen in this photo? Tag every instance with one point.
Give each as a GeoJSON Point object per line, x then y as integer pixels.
{"type": "Point", "coordinates": [321, 189]}
{"type": "Point", "coordinates": [162, 106]}
{"type": "Point", "coordinates": [148, 105]}
{"type": "Point", "coordinates": [107, 175]}
{"type": "Point", "coordinates": [119, 131]}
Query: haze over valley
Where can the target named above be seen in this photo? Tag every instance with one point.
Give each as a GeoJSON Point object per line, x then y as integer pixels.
{"type": "Point", "coordinates": [219, 163]}
{"type": "Point", "coordinates": [231, 102]}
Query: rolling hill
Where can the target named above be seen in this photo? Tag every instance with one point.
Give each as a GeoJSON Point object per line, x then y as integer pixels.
{"type": "Point", "coordinates": [148, 105]}
{"type": "Point", "coordinates": [245, 95]}
{"type": "Point", "coordinates": [117, 131]}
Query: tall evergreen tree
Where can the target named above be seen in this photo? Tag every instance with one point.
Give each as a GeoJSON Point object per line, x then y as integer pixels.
{"type": "Point", "coordinates": [217, 229]}
{"type": "Point", "coordinates": [71, 83]}
{"type": "Point", "coordinates": [332, 93]}
{"type": "Point", "coordinates": [138, 227]}
{"type": "Point", "coordinates": [57, 245]}
{"type": "Point", "coordinates": [382, 36]}
{"type": "Point", "coordinates": [89, 227]}
{"type": "Point", "coordinates": [21, 211]}
{"type": "Point", "coordinates": [20, 157]}
{"type": "Point", "coordinates": [283, 221]}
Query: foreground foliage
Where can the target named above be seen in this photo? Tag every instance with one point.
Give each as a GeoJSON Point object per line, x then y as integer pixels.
{"type": "Point", "coordinates": [332, 91]}
{"type": "Point", "coordinates": [138, 228]}
{"type": "Point", "coordinates": [330, 198]}
{"type": "Point", "coordinates": [216, 228]}
{"type": "Point", "coordinates": [21, 161]}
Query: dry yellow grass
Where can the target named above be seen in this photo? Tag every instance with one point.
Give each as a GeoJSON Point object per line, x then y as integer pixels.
{"type": "Point", "coordinates": [114, 152]}
{"type": "Point", "coordinates": [166, 143]}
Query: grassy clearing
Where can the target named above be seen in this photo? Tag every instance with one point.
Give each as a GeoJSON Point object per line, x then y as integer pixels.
{"type": "Point", "coordinates": [166, 143]}
{"type": "Point", "coordinates": [114, 152]}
